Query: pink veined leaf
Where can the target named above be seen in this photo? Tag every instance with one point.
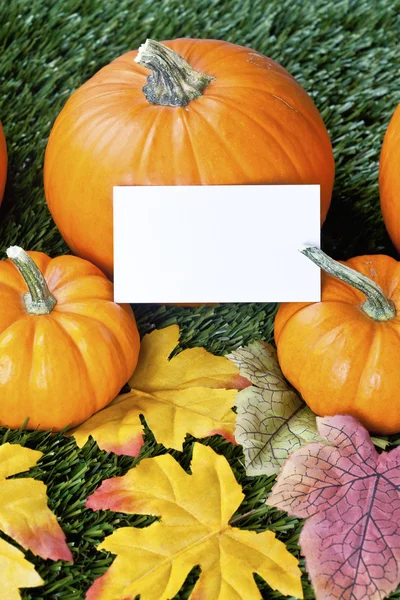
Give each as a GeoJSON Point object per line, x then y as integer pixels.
{"type": "Point", "coordinates": [350, 496]}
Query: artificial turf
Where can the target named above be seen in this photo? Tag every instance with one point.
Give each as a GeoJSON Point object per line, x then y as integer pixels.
{"type": "Point", "coordinates": [345, 54]}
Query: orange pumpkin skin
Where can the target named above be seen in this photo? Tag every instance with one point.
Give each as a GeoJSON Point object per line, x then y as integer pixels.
{"type": "Point", "coordinates": [254, 124]}
{"type": "Point", "coordinates": [339, 359]}
{"type": "Point", "coordinates": [3, 162]}
{"type": "Point", "coordinates": [59, 369]}
{"type": "Point", "coordinates": [389, 178]}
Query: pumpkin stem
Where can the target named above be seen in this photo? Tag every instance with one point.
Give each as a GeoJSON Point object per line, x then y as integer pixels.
{"type": "Point", "coordinates": [377, 306]}
{"type": "Point", "coordinates": [39, 300]}
{"type": "Point", "coordinates": [172, 82]}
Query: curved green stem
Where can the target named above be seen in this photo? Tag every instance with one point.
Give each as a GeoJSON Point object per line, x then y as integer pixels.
{"type": "Point", "coordinates": [376, 306]}
{"type": "Point", "coordinates": [172, 81]}
{"type": "Point", "coordinates": [39, 300]}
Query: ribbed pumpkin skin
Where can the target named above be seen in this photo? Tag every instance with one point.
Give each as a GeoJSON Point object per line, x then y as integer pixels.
{"type": "Point", "coordinates": [59, 369]}
{"type": "Point", "coordinates": [389, 178]}
{"type": "Point", "coordinates": [339, 359]}
{"type": "Point", "coordinates": [3, 162]}
{"type": "Point", "coordinates": [253, 125]}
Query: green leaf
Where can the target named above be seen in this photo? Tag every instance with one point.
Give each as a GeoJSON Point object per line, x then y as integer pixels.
{"type": "Point", "coordinates": [272, 420]}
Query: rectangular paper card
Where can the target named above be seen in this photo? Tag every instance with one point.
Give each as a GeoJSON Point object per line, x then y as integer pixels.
{"type": "Point", "coordinates": [195, 244]}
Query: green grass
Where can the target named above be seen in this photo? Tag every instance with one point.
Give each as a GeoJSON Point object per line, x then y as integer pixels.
{"type": "Point", "coordinates": [343, 53]}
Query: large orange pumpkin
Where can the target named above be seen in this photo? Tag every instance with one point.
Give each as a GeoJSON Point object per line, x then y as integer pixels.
{"type": "Point", "coordinates": [389, 178]}
{"type": "Point", "coordinates": [66, 348]}
{"type": "Point", "coordinates": [3, 162]}
{"type": "Point", "coordinates": [233, 116]}
{"type": "Point", "coordinates": [342, 354]}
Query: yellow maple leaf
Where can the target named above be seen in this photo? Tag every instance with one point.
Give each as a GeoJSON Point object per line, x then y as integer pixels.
{"type": "Point", "coordinates": [194, 392]}
{"type": "Point", "coordinates": [16, 572]}
{"type": "Point", "coordinates": [194, 530]}
{"type": "Point", "coordinates": [25, 517]}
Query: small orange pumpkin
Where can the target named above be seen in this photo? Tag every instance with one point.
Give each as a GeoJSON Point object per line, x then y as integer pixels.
{"type": "Point", "coordinates": [389, 178]}
{"type": "Point", "coordinates": [210, 112]}
{"type": "Point", "coordinates": [342, 353]}
{"type": "Point", "coordinates": [66, 349]}
{"type": "Point", "coordinates": [3, 162]}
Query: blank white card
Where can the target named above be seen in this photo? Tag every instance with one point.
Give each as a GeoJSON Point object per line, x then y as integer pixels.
{"type": "Point", "coordinates": [215, 243]}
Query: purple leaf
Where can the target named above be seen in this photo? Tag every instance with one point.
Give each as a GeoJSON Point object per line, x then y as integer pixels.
{"type": "Point", "coordinates": [350, 495]}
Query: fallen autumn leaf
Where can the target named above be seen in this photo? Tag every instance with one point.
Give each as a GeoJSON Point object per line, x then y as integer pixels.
{"type": "Point", "coordinates": [349, 495]}
{"type": "Point", "coordinates": [25, 517]}
{"type": "Point", "coordinates": [272, 420]}
{"type": "Point", "coordinates": [194, 393]}
{"type": "Point", "coordinates": [194, 530]}
{"type": "Point", "coordinates": [16, 572]}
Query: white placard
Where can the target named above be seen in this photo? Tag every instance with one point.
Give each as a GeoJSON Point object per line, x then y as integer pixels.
{"type": "Point", "coordinates": [215, 243]}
